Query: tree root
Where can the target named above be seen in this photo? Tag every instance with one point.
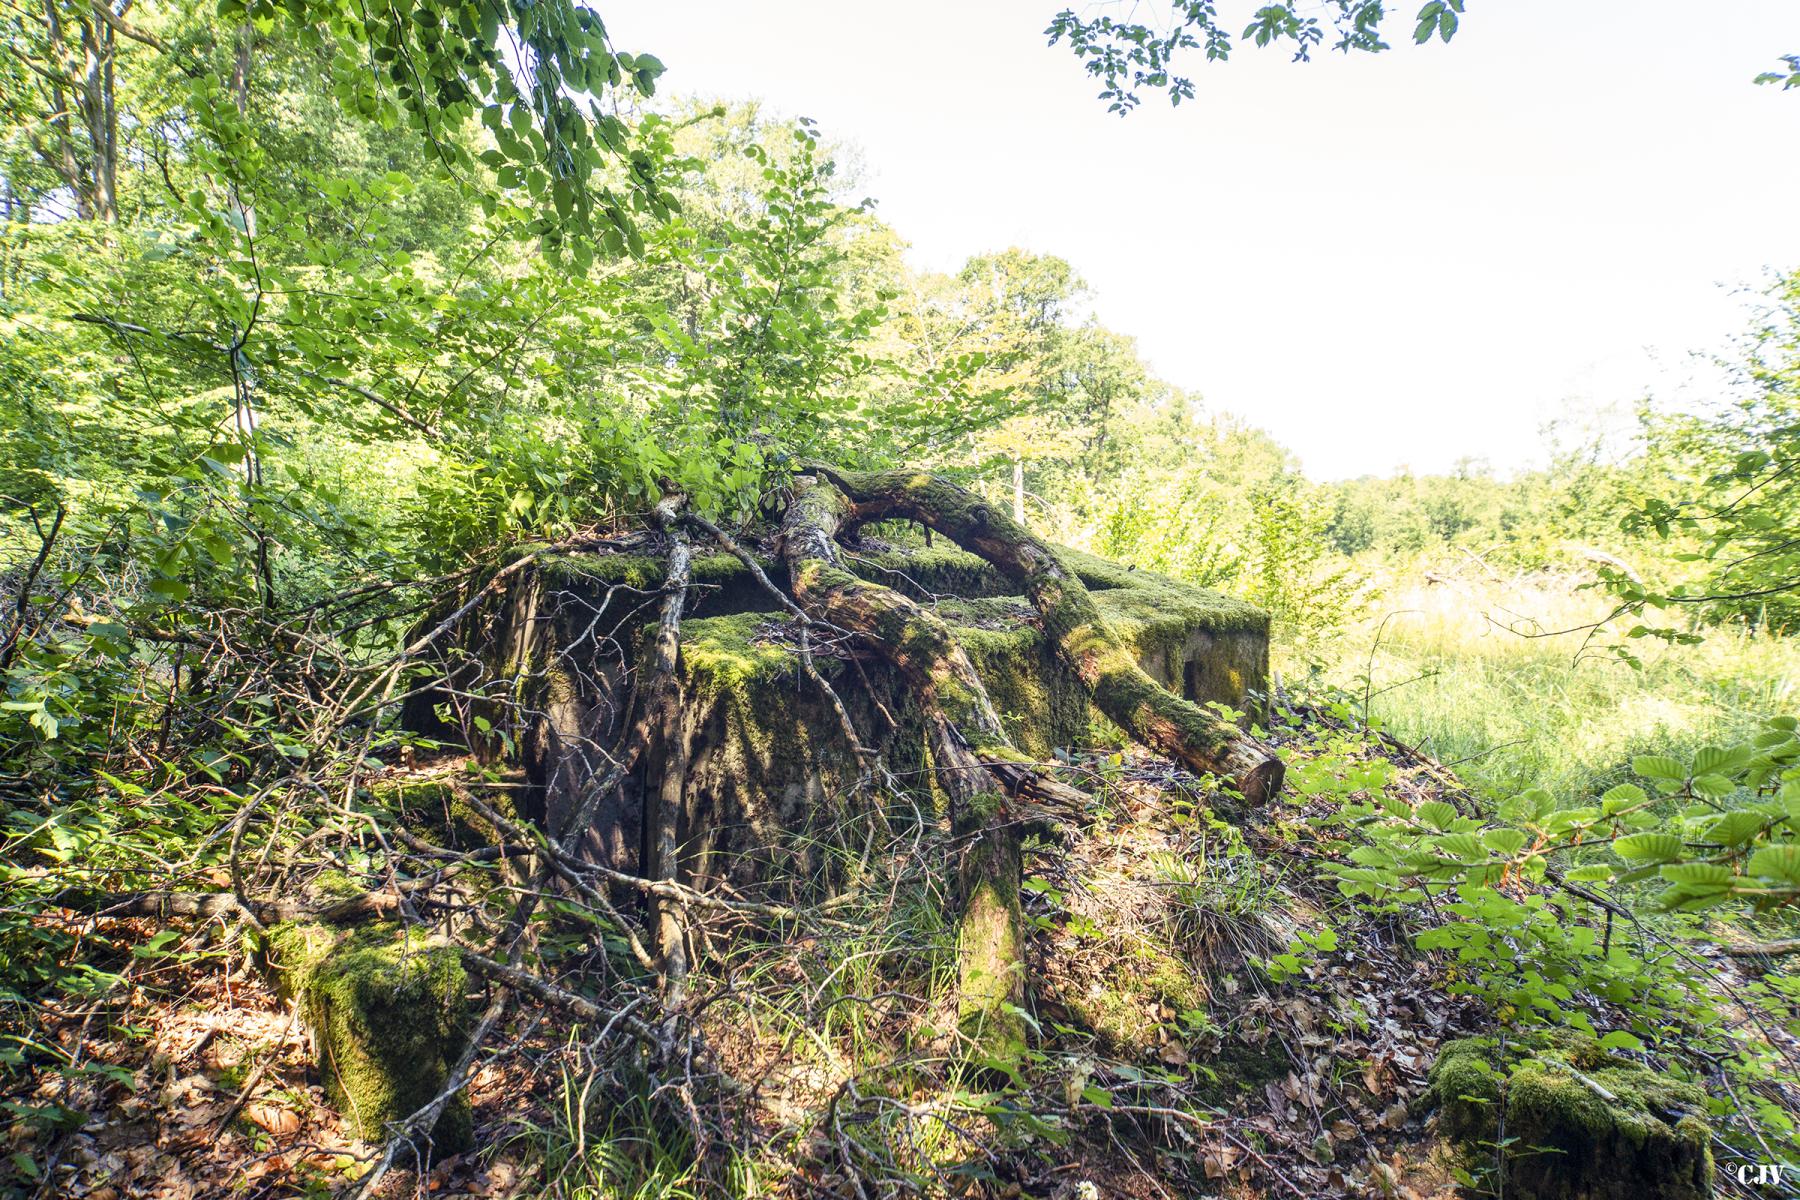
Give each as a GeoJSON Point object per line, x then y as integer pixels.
{"type": "Point", "coordinates": [973, 760]}
{"type": "Point", "coordinates": [1109, 671]}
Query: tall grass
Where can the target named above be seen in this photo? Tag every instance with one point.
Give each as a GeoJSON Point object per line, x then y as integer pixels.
{"type": "Point", "coordinates": [1504, 678]}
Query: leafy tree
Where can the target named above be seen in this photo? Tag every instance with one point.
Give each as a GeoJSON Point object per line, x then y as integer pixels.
{"type": "Point", "coordinates": [1128, 55]}
{"type": "Point", "coordinates": [1734, 509]}
{"type": "Point", "coordinates": [984, 346]}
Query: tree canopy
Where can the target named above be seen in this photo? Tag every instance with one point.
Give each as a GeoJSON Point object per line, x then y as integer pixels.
{"type": "Point", "coordinates": [1131, 56]}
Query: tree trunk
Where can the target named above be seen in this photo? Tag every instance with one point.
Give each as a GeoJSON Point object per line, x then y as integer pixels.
{"type": "Point", "coordinates": [1018, 490]}
{"type": "Point", "coordinates": [1163, 721]}
{"type": "Point", "coordinates": [664, 817]}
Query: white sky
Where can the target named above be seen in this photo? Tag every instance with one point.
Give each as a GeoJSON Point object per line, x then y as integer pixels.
{"type": "Point", "coordinates": [1386, 260]}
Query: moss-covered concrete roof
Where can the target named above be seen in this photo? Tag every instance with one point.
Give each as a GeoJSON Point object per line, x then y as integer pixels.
{"type": "Point", "coordinates": [735, 643]}
{"type": "Point", "coordinates": [1142, 603]}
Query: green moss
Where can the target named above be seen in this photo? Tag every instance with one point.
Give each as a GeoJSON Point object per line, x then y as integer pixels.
{"type": "Point", "coordinates": [642, 571]}
{"type": "Point", "coordinates": [1238, 1067]}
{"type": "Point", "coordinates": [927, 573]}
{"type": "Point", "coordinates": [1147, 596]}
{"type": "Point", "coordinates": [990, 938]}
{"type": "Point", "coordinates": [388, 1015]}
{"type": "Point", "coordinates": [1465, 1089]}
{"type": "Point", "coordinates": [735, 653]}
{"type": "Point", "coordinates": [769, 757]}
{"type": "Point", "coordinates": [1580, 1124]}
{"type": "Point", "coordinates": [946, 572]}
{"type": "Point", "coordinates": [438, 811]}
{"type": "Point", "coordinates": [1120, 1009]}
{"type": "Point", "coordinates": [1041, 704]}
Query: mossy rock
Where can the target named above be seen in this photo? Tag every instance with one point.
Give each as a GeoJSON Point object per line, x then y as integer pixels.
{"type": "Point", "coordinates": [1581, 1124]}
{"type": "Point", "coordinates": [388, 1015]}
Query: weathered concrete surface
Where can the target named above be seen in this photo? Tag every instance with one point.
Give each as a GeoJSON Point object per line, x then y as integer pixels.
{"type": "Point", "coordinates": [769, 764]}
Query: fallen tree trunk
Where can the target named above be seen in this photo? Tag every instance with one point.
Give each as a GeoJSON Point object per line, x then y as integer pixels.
{"type": "Point", "coordinates": [1120, 688]}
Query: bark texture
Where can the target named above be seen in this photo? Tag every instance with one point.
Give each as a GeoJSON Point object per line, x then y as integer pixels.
{"type": "Point", "coordinates": [665, 813]}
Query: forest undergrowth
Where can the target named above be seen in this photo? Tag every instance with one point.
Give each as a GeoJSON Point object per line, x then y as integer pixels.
{"type": "Point", "coordinates": [1211, 1014]}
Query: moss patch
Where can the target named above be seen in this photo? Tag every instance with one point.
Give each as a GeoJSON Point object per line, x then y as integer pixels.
{"type": "Point", "coordinates": [769, 757]}
{"type": "Point", "coordinates": [439, 812]}
{"type": "Point", "coordinates": [388, 1015]}
{"type": "Point", "coordinates": [1122, 1007]}
{"type": "Point", "coordinates": [927, 573]}
{"type": "Point", "coordinates": [1581, 1124]}
{"type": "Point", "coordinates": [990, 938]}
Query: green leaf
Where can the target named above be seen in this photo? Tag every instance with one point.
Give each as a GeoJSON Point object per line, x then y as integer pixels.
{"type": "Point", "coordinates": [1504, 842]}
{"type": "Point", "coordinates": [1777, 862]}
{"type": "Point", "coordinates": [1428, 21]}
{"type": "Point", "coordinates": [1735, 828]}
{"type": "Point", "coordinates": [1618, 1039]}
{"type": "Point", "coordinates": [1713, 787]}
{"type": "Point", "coordinates": [1437, 814]}
{"type": "Point", "coordinates": [1589, 874]}
{"type": "Point", "coordinates": [1649, 847]}
{"type": "Point", "coordinates": [1715, 760]}
{"type": "Point", "coordinates": [1463, 847]}
{"type": "Point", "coordinates": [1658, 766]}
{"type": "Point", "coordinates": [158, 944]}
{"type": "Point", "coordinates": [1625, 795]}
{"type": "Point", "coordinates": [1707, 875]}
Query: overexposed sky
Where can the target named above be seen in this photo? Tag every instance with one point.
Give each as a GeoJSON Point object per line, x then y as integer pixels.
{"type": "Point", "coordinates": [1401, 259]}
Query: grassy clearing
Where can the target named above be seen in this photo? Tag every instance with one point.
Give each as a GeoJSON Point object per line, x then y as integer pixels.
{"type": "Point", "coordinates": [1474, 669]}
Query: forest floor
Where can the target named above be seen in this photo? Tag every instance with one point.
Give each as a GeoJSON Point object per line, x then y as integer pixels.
{"type": "Point", "coordinates": [1211, 1019]}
